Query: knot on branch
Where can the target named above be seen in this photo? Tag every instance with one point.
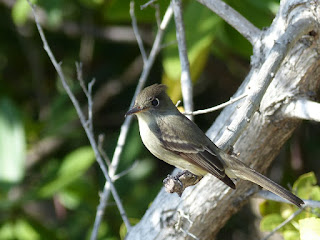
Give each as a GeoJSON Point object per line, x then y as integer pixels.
{"type": "Point", "coordinates": [177, 184]}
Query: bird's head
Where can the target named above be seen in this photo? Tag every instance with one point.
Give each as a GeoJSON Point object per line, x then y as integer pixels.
{"type": "Point", "coordinates": [152, 99]}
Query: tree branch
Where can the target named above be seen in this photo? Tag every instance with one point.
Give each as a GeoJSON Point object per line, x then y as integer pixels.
{"type": "Point", "coordinates": [261, 80]}
{"type": "Point", "coordinates": [215, 108]}
{"type": "Point", "coordinates": [136, 33]}
{"type": "Point", "coordinates": [186, 82]}
{"type": "Point", "coordinates": [235, 19]}
{"type": "Point", "coordinates": [302, 109]}
{"type": "Point", "coordinates": [111, 88]}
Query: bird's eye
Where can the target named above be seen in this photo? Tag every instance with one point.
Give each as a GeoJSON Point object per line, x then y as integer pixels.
{"type": "Point", "coordinates": [155, 102]}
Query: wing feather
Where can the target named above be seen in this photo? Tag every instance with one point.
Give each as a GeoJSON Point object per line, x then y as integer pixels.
{"type": "Point", "coordinates": [197, 149]}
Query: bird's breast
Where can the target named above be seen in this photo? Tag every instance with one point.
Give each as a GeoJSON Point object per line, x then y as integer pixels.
{"type": "Point", "coordinates": [150, 140]}
{"type": "Point", "coordinates": [154, 145]}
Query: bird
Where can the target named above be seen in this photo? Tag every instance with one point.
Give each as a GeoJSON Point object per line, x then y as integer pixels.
{"type": "Point", "coordinates": [172, 137]}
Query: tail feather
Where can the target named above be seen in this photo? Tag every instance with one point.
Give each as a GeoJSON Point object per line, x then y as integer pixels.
{"type": "Point", "coordinates": [228, 181]}
{"type": "Point", "coordinates": [244, 172]}
{"type": "Point", "coordinates": [268, 184]}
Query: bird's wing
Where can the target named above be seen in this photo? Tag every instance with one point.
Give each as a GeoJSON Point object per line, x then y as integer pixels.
{"type": "Point", "coordinates": [193, 146]}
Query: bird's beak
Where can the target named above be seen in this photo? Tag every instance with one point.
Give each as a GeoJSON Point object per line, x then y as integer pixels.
{"type": "Point", "coordinates": [133, 111]}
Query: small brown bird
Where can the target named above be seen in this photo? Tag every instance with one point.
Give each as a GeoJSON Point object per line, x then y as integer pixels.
{"type": "Point", "coordinates": [173, 138]}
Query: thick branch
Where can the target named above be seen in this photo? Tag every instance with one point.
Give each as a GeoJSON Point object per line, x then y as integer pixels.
{"type": "Point", "coordinates": [303, 109]}
{"type": "Point", "coordinates": [261, 80]}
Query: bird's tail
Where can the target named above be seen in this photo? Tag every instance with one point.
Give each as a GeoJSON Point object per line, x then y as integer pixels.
{"type": "Point", "coordinates": [244, 172]}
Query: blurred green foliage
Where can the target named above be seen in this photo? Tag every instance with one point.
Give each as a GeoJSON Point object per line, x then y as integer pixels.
{"type": "Point", "coordinates": [12, 144]}
{"type": "Point", "coordinates": [49, 181]}
{"type": "Point", "coordinates": [301, 227]}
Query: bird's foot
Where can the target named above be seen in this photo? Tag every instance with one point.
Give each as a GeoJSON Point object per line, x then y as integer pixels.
{"type": "Point", "coordinates": [180, 182]}
{"type": "Point", "coordinates": [230, 151]}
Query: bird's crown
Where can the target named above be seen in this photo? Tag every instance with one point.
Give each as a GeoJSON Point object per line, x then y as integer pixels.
{"type": "Point", "coordinates": [151, 92]}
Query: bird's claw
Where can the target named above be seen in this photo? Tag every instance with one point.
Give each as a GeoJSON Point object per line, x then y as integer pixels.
{"type": "Point", "coordinates": [180, 182]}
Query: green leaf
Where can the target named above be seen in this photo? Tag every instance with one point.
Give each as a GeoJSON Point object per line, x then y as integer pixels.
{"type": "Point", "coordinates": [12, 143]}
{"type": "Point", "coordinates": [55, 10]}
{"type": "Point", "coordinates": [230, 42]}
{"type": "Point", "coordinates": [269, 222]}
{"type": "Point", "coordinates": [257, 12]}
{"type": "Point", "coordinates": [7, 230]}
{"type": "Point", "coordinates": [200, 28]}
{"type": "Point", "coordinates": [79, 192]}
{"type": "Point", "coordinates": [25, 231]}
{"type": "Point", "coordinates": [306, 187]}
{"type": "Point", "coordinates": [77, 162]}
{"type": "Point", "coordinates": [269, 207]}
{"type": "Point", "coordinates": [142, 170]}
{"type": "Point", "coordinates": [92, 3]}
{"type": "Point", "coordinates": [73, 166]}
{"type": "Point", "coordinates": [69, 199]}
{"type": "Point", "coordinates": [57, 121]}
{"type": "Point", "coordinates": [291, 235]}
{"type": "Point", "coordinates": [310, 228]}
{"type": "Point", "coordinates": [20, 12]}
{"type": "Point", "coordinates": [19, 230]}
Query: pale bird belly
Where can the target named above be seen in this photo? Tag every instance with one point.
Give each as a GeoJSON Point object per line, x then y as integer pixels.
{"type": "Point", "coordinates": [153, 144]}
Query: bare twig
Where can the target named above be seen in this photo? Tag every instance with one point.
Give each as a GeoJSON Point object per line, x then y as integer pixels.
{"type": "Point", "coordinates": [215, 108]}
{"type": "Point", "coordinates": [147, 4]}
{"type": "Point", "coordinates": [112, 87]}
{"type": "Point", "coordinates": [125, 126]}
{"type": "Point", "coordinates": [235, 19]}
{"type": "Point", "coordinates": [82, 118]}
{"type": "Point", "coordinates": [90, 103]}
{"type": "Point", "coordinates": [303, 109]}
{"type": "Point", "coordinates": [157, 14]}
{"type": "Point", "coordinates": [285, 222]}
{"type": "Point", "coordinates": [136, 33]}
{"type": "Point", "coordinates": [88, 93]}
{"type": "Point", "coordinates": [80, 78]}
{"type": "Point", "coordinates": [102, 152]}
{"type": "Point", "coordinates": [186, 83]}
{"type": "Point", "coordinates": [125, 172]}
